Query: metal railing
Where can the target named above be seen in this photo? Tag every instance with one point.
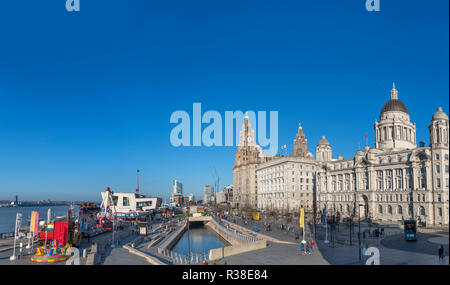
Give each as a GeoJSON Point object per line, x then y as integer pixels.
{"type": "Point", "coordinates": [234, 233]}
{"type": "Point", "coordinates": [178, 258]}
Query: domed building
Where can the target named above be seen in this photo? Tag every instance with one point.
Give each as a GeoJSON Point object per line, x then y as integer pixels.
{"type": "Point", "coordinates": [395, 131]}
{"type": "Point", "coordinates": [394, 181]}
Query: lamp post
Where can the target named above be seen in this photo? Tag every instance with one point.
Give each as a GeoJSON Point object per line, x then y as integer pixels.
{"type": "Point", "coordinates": [189, 241]}
{"type": "Point", "coordinates": [359, 229]}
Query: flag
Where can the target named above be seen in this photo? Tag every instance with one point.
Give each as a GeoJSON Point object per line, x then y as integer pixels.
{"type": "Point", "coordinates": [302, 218]}
{"type": "Point", "coordinates": [283, 146]}
{"type": "Point", "coordinates": [34, 223]}
{"type": "Point", "coordinates": [18, 223]}
{"type": "Point", "coordinates": [365, 136]}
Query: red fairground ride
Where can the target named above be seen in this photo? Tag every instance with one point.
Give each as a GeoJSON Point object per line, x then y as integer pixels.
{"type": "Point", "coordinates": [105, 219]}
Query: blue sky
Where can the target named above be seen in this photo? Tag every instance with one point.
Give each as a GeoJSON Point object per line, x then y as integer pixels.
{"type": "Point", "coordinates": [85, 98]}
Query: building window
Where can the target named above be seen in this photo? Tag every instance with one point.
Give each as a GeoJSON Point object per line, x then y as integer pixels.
{"type": "Point", "coordinates": [446, 156]}
{"type": "Point", "coordinates": [438, 168]}
{"type": "Point", "coordinates": [380, 209]}
{"type": "Point", "coordinates": [390, 209]}
{"type": "Point", "coordinates": [439, 198]}
{"type": "Point", "coordinates": [438, 183]}
{"type": "Point", "coordinates": [437, 156]}
{"type": "Point", "coordinates": [422, 211]}
{"type": "Point", "coordinates": [115, 199]}
{"type": "Point", "coordinates": [440, 212]}
{"type": "Point", "coordinates": [446, 168]}
{"type": "Point", "coordinates": [399, 210]}
{"type": "Point", "coordinates": [399, 158]}
{"type": "Point", "coordinates": [126, 201]}
{"type": "Point", "coordinates": [422, 183]}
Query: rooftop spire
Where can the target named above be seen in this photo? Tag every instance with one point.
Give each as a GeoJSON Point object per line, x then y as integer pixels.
{"type": "Point", "coordinates": [394, 92]}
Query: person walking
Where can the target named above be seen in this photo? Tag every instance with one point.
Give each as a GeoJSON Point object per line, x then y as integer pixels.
{"type": "Point", "coordinates": [302, 248]}
{"type": "Point", "coordinates": [441, 254]}
{"type": "Point", "coordinates": [313, 244]}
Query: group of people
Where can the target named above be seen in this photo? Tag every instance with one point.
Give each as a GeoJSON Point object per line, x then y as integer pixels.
{"type": "Point", "coordinates": [307, 247]}
{"type": "Point", "coordinates": [378, 233]}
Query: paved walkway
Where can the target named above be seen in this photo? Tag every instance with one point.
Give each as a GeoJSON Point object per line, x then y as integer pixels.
{"type": "Point", "coordinates": [121, 256]}
{"type": "Point", "coordinates": [393, 249]}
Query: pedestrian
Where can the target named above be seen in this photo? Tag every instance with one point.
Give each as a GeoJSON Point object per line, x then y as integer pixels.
{"type": "Point", "coordinates": [382, 232]}
{"type": "Point", "coordinates": [441, 254]}
{"type": "Point", "coordinates": [204, 262]}
{"type": "Point", "coordinates": [297, 235]}
{"type": "Point", "coordinates": [313, 244]}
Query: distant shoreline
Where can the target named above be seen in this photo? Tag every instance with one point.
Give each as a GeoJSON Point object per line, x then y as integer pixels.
{"type": "Point", "coordinates": [33, 205]}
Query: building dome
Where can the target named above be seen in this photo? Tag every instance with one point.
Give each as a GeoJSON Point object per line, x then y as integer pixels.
{"type": "Point", "coordinates": [394, 105]}
{"type": "Point", "coordinates": [440, 115]}
{"type": "Point", "coordinates": [324, 141]}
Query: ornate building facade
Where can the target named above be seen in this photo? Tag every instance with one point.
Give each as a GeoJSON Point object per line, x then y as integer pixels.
{"type": "Point", "coordinates": [396, 180]}
{"type": "Point", "coordinates": [247, 157]}
{"type": "Point", "coordinates": [285, 183]}
{"type": "Point", "coordinates": [393, 181]}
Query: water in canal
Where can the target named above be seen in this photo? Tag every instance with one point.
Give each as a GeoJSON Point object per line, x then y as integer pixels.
{"type": "Point", "coordinates": [202, 240]}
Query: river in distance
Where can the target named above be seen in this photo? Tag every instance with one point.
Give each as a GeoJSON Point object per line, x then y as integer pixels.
{"type": "Point", "coordinates": [8, 215]}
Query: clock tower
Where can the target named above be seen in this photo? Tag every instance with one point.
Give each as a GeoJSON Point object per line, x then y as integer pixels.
{"type": "Point", "coordinates": [247, 157]}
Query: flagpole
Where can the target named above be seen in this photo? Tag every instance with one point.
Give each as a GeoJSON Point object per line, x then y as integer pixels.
{"type": "Point", "coordinates": [28, 245]}
{"type": "Point", "coordinates": [13, 257]}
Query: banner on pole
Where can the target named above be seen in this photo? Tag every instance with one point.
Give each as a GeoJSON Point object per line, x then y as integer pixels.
{"type": "Point", "coordinates": [18, 223]}
{"type": "Point", "coordinates": [34, 223]}
{"type": "Point", "coordinates": [302, 217]}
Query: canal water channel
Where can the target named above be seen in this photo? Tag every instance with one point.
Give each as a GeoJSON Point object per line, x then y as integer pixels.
{"type": "Point", "coordinates": [202, 239]}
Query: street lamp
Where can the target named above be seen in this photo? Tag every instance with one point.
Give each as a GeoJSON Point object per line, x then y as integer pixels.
{"type": "Point", "coordinates": [359, 229]}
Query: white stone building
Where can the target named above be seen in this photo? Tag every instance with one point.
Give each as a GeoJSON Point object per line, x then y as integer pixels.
{"type": "Point", "coordinates": [392, 181]}
{"type": "Point", "coordinates": [286, 183]}
{"type": "Point", "coordinates": [395, 180]}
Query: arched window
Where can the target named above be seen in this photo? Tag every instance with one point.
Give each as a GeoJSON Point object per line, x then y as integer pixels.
{"type": "Point", "coordinates": [380, 209]}
{"type": "Point", "coordinates": [421, 211]}
{"type": "Point", "coordinates": [399, 210]}
{"type": "Point", "coordinates": [390, 209]}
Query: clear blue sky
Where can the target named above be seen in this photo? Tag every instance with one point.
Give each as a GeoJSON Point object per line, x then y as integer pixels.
{"type": "Point", "coordinates": [85, 98]}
